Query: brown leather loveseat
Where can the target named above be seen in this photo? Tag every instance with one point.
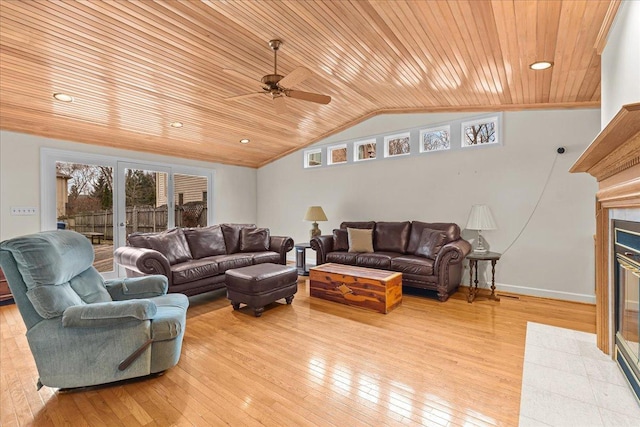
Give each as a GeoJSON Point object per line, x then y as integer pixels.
{"type": "Point", "coordinates": [195, 259]}
{"type": "Point", "coordinates": [429, 255]}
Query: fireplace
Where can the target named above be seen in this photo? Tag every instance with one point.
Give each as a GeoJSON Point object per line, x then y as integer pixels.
{"type": "Point", "coordinates": [626, 235]}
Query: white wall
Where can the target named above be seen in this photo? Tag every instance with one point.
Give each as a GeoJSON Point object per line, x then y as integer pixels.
{"type": "Point", "coordinates": [234, 186]}
{"type": "Point", "coordinates": [621, 61]}
{"type": "Point", "coordinates": [554, 255]}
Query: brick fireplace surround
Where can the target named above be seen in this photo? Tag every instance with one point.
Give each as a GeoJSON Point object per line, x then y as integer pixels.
{"type": "Point", "coordinates": [613, 158]}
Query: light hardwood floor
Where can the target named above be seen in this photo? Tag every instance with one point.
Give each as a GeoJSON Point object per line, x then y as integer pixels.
{"type": "Point", "coordinates": [311, 363]}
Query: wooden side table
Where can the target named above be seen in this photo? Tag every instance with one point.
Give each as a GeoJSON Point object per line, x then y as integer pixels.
{"type": "Point", "coordinates": [301, 258]}
{"type": "Point", "coordinates": [473, 258]}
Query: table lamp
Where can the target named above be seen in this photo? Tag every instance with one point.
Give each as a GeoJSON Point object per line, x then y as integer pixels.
{"type": "Point", "coordinates": [480, 219]}
{"type": "Point", "coordinates": [315, 213]}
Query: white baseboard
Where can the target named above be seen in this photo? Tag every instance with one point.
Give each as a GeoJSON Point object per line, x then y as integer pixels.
{"type": "Point", "coordinates": [546, 293]}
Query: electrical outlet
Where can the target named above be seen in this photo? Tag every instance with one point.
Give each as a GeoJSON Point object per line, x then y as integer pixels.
{"type": "Point", "coordinates": [19, 210]}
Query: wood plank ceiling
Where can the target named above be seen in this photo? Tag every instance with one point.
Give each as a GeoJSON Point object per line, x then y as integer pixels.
{"type": "Point", "coordinates": [134, 67]}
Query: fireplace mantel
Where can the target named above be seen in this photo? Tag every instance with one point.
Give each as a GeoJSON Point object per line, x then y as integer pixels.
{"type": "Point", "coordinates": [613, 158]}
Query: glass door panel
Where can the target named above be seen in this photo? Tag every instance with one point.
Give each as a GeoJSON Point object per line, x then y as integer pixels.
{"type": "Point", "coordinates": [84, 203]}
{"type": "Point", "coordinates": [145, 201]}
{"type": "Point", "coordinates": [190, 200]}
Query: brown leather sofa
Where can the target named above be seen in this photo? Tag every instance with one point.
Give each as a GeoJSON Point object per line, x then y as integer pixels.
{"type": "Point", "coordinates": [429, 255]}
{"type": "Point", "coordinates": [195, 259]}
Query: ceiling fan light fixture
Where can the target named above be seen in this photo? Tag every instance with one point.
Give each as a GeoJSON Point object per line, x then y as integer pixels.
{"type": "Point", "coordinates": [244, 141]}
{"type": "Point", "coordinates": [176, 124]}
{"type": "Point", "coordinates": [63, 97]}
{"type": "Point", "coordinates": [541, 65]}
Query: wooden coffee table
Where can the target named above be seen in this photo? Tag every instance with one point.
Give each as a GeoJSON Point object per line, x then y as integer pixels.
{"type": "Point", "coordinates": [367, 288]}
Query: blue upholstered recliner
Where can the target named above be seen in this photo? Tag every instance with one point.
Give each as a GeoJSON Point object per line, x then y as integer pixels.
{"type": "Point", "coordinates": [83, 330]}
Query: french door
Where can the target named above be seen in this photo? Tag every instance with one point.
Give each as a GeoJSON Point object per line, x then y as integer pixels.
{"type": "Point", "coordinates": [107, 199]}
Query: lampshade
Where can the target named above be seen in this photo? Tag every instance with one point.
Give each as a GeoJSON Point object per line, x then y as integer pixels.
{"type": "Point", "coordinates": [315, 213]}
{"type": "Point", "coordinates": [480, 218]}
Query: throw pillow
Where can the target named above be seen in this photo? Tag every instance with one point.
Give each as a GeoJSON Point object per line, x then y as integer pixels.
{"type": "Point", "coordinates": [205, 241]}
{"type": "Point", "coordinates": [254, 240]}
{"type": "Point", "coordinates": [431, 241]}
{"type": "Point", "coordinates": [231, 234]}
{"type": "Point", "coordinates": [172, 244]}
{"type": "Point", "coordinates": [340, 240]}
{"type": "Point", "coordinates": [360, 240]}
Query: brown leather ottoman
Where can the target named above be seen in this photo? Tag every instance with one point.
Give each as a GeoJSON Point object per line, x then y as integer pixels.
{"type": "Point", "coordinates": [261, 284]}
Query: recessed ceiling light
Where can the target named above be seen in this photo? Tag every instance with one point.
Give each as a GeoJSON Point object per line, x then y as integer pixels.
{"type": "Point", "coordinates": [541, 65]}
{"type": "Point", "coordinates": [176, 124]}
{"type": "Point", "coordinates": [63, 97]}
{"type": "Point", "coordinates": [244, 141]}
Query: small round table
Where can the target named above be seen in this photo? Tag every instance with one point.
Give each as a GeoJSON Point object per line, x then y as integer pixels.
{"type": "Point", "coordinates": [473, 258]}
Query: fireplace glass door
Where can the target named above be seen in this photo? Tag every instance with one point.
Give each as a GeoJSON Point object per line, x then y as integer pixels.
{"type": "Point", "coordinates": [627, 304]}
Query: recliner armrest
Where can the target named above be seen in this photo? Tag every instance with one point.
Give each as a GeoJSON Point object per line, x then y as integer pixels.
{"type": "Point", "coordinates": [137, 287]}
{"type": "Point", "coordinates": [108, 313]}
{"type": "Point", "coordinates": [282, 245]}
{"type": "Point", "coordinates": [143, 261]}
{"type": "Point", "coordinates": [322, 245]}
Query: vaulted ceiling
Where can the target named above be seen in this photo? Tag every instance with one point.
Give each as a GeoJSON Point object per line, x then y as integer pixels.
{"type": "Point", "coordinates": [134, 67]}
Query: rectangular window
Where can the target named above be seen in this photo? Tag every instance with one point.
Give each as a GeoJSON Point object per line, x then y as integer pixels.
{"type": "Point", "coordinates": [435, 139]}
{"type": "Point", "coordinates": [480, 132]}
{"type": "Point", "coordinates": [313, 158]}
{"type": "Point", "coordinates": [397, 145]}
{"type": "Point", "coordinates": [337, 154]}
{"type": "Point", "coordinates": [364, 150]}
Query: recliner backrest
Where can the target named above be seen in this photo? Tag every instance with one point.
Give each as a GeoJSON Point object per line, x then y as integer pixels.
{"type": "Point", "coordinates": [56, 269]}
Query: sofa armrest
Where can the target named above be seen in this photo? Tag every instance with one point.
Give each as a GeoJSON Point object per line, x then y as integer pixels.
{"type": "Point", "coordinates": [143, 261]}
{"type": "Point", "coordinates": [322, 245]}
{"type": "Point", "coordinates": [137, 287]}
{"type": "Point", "coordinates": [452, 253]}
{"type": "Point", "coordinates": [282, 245]}
{"type": "Point", "coordinates": [108, 313]}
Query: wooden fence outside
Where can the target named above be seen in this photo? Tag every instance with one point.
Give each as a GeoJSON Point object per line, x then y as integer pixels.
{"type": "Point", "coordinates": [139, 218]}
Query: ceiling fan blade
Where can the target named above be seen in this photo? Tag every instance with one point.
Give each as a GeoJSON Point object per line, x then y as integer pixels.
{"type": "Point", "coordinates": [280, 105]}
{"type": "Point", "coordinates": [308, 96]}
{"type": "Point", "coordinates": [298, 75]}
{"type": "Point", "coordinates": [246, 95]}
{"type": "Point", "coordinates": [242, 77]}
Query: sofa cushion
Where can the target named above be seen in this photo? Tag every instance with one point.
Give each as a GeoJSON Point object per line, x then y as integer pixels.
{"type": "Point", "coordinates": [360, 240]}
{"type": "Point", "coordinates": [264, 257]}
{"type": "Point", "coordinates": [254, 239]}
{"type": "Point", "coordinates": [451, 230]}
{"type": "Point", "coordinates": [342, 257]}
{"type": "Point", "coordinates": [205, 241]}
{"type": "Point", "coordinates": [139, 240]}
{"type": "Point", "coordinates": [391, 236]}
{"type": "Point", "coordinates": [193, 270]}
{"type": "Point", "coordinates": [231, 234]}
{"type": "Point", "coordinates": [376, 259]}
{"type": "Point", "coordinates": [227, 262]}
{"type": "Point", "coordinates": [170, 243]}
{"type": "Point", "coordinates": [358, 224]}
{"type": "Point", "coordinates": [340, 240]}
{"type": "Point", "coordinates": [412, 264]}
{"type": "Point", "coordinates": [431, 241]}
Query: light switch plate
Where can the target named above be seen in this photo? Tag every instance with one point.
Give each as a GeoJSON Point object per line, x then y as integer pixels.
{"type": "Point", "coordinates": [21, 210]}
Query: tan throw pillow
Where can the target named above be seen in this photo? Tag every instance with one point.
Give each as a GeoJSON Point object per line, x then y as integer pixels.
{"type": "Point", "coordinates": [360, 240]}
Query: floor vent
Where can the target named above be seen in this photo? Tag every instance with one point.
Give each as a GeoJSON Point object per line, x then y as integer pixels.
{"type": "Point", "coordinates": [508, 296]}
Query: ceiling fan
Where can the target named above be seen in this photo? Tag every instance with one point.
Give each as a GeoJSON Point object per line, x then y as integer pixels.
{"type": "Point", "coordinates": [278, 86]}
